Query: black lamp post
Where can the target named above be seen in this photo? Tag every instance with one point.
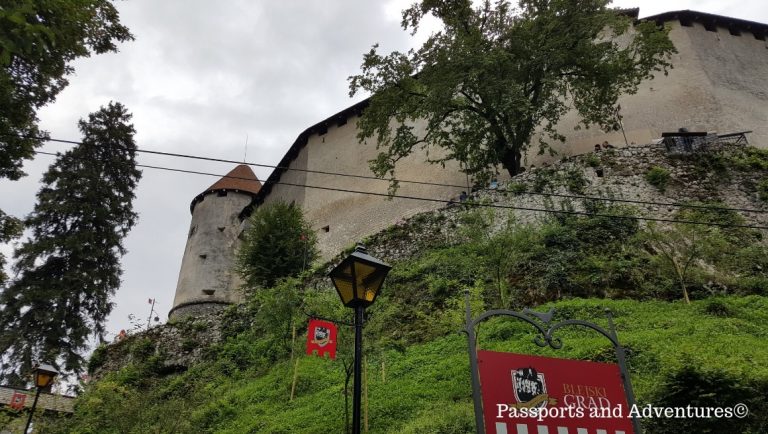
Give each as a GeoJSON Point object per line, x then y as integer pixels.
{"type": "Point", "coordinates": [358, 279]}
{"type": "Point", "coordinates": [44, 375]}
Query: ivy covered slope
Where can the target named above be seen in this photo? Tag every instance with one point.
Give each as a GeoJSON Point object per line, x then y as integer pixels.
{"type": "Point", "coordinates": [690, 303]}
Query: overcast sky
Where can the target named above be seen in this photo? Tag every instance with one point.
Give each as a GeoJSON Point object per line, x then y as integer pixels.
{"type": "Point", "coordinates": [203, 75]}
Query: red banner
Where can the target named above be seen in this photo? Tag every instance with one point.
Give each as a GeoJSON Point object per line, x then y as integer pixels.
{"type": "Point", "coordinates": [321, 338]}
{"type": "Point", "coordinates": [17, 400]}
{"type": "Point", "coordinates": [542, 395]}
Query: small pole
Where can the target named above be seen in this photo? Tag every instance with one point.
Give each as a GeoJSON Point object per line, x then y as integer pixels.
{"type": "Point", "coordinates": [151, 311]}
{"type": "Point", "coordinates": [383, 371]}
{"type": "Point", "coordinates": [293, 339]}
{"type": "Point", "coordinates": [356, 387]}
{"type": "Point", "coordinates": [32, 411]}
{"type": "Point", "coordinates": [295, 378]}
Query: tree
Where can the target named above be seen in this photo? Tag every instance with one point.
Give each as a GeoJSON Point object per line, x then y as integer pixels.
{"type": "Point", "coordinates": [69, 268]}
{"type": "Point", "coordinates": [10, 228]}
{"type": "Point", "coordinates": [38, 41]}
{"type": "Point", "coordinates": [680, 247]}
{"type": "Point", "coordinates": [495, 75]}
{"type": "Point", "coordinates": [279, 243]}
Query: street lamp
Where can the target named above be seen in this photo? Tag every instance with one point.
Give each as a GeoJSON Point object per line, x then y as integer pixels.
{"type": "Point", "coordinates": [358, 279]}
{"type": "Point", "coordinates": [44, 375]}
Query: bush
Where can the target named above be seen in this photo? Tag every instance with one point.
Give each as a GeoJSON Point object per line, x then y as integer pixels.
{"type": "Point", "coordinates": [516, 188]}
{"type": "Point", "coordinates": [575, 181]}
{"type": "Point", "coordinates": [762, 190]}
{"type": "Point", "coordinates": [98, 357]}
{"type": "Point", "coordinates": [592, 160]}
{"type": "Point", "coordinates": [690, 387]}
{"type": "Point", "coordinates": [658, 177]}
{"type": "Point", "coordinates": [279, 243]}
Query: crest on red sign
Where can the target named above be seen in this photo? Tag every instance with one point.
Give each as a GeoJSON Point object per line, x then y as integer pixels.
{"type": "Point", "coordinates": [576, 396]}
{"type": "Point", "coordinates": [321, 338]}
{"type": "Point", "coordinates": [17, 400]}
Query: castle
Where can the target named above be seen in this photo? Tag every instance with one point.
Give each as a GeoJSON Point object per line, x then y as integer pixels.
{"type": "Point", "coordinates": [719, 83]}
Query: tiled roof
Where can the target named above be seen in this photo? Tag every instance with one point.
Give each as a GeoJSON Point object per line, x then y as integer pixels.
{"type": "Point", "coordinates": [241, 179]}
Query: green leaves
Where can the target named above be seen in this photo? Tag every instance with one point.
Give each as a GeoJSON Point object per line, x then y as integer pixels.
{"type": "Point", "coordinates": [38, 41]}
{"type": "Point", "coordinates": [494, 74]}
{"type": "Point", "coordinates": [279, 243]}
{"type": "Point", "coordinates": [69, 267]}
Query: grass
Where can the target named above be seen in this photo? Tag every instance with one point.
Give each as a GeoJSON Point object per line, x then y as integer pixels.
{"type": "Point", "coordinates": [426, 387]}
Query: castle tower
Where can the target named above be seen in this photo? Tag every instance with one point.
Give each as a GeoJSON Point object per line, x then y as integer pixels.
{"type": "Point", "coordinates": [207, 280]}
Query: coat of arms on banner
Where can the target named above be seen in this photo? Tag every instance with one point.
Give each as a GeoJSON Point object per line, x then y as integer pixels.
{"type": "Point", "coordinates": [530, 388]}
{"type": "Point", "coordinates": [321, 338]}
{"type": "Point", "coordinates": [17, 400]}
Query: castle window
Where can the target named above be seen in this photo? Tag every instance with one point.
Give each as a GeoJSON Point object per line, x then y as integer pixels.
{"type": "Point", "coordinates": [203, 256]}
{"type": "Point", "coordinates": [685, 22]}
{"type": "Point", "coordinates": [221, 193]}
{"type": "Point", "coordinates": [710, 26]}
{"type": "Point", "coordinates": [760, 36]}
{"type": "Point", "coordinates": [221, 228]}
{"type": "Point", "coordinates": [326, 229]}
{"type": "Point", "coordinates": [734, 31]}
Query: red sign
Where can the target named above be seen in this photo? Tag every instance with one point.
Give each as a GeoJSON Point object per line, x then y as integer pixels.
{"type": "Point", "coordinates": [17, 400]}
{"type": "Point", "coordinates": [542, 395]}
{"type": "Point", "coordinates": [321, 338]}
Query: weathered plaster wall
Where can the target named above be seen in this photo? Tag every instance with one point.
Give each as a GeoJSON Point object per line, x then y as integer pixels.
{"type": "Point", "coordinates": [209, 255]}
{"type": "Point", "coordinates": [349, 217]}
{"type": "Point", "coordinates": [719, 83]}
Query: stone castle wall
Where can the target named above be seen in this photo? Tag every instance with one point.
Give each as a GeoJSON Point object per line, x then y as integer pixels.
{"type": "Point", "coordinates": [208, 256]}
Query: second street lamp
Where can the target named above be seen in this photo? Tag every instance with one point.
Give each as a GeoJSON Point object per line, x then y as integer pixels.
{"type": "Point", "coordinates": [44, 375]}
{"type": "Point", "coordinates": [358, 279]}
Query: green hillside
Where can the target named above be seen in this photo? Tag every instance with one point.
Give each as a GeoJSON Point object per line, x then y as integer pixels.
{"type": "Point", "coordinates": [706, 352]}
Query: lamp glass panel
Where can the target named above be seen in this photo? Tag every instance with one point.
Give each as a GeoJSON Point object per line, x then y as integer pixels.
{"type": "Point", "coordinates": [373, 285]}
{"type": "Point", "coordinates": [43, 379]}
{"type": "Point", "coordinates": [363, 273]}
{"type": "Point", "coordinates": [343, 282]}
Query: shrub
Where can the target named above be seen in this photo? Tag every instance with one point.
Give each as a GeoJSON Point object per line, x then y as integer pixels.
{"type": "Point", "coordinates": [98, 357]}
{"type": "Point", "coordinates": [516, 188]}
{"type": "Point", "coordinates": [278, 244]}
{"type": "Point", "coordinates": [762, 190]}
{"type": "Point", "coordinates": [691, 387]}
{"type": "Point", "coordinates": [592, 160]}
{"type": "Point", "coordinates": [575, 181]}
{"type": "Point", "coordinates": [142, 349]}
{"type": "Point", "coordinates": [658, 177]}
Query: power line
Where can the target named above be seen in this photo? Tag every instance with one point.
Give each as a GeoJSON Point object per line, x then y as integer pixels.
{"type": "Point", "coordinates": [471, 204]}
{"type": "Point", "coordinates": [434, 184]}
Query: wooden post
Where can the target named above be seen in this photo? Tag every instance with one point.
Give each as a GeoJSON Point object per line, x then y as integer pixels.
{"type": "Point", "coordinates": [293, 339]}
{"type": "Point", "coordinates": [383, 371]}
{"type": "Point", "coordinates": [295, 378]}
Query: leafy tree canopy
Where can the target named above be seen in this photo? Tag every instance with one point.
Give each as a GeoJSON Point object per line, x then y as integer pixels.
{"type": "Point", "coordinates": [69, 268]}
{"type": "Point", "coordinates": [495, 75]}
{"type": "Point", "coordinates": [38, 41]}
{"type": "Point", "coordinates": [278, 244]}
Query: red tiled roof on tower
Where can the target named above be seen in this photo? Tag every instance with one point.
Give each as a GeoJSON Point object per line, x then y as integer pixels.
{"type": "Point", "coordinates": [241, 179]}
